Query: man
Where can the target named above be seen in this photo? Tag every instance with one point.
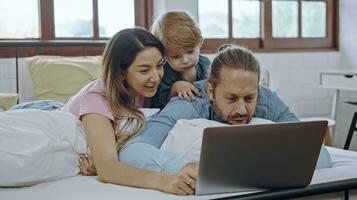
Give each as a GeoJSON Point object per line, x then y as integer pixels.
{"type": "Point", "coordinates": [231, 95]}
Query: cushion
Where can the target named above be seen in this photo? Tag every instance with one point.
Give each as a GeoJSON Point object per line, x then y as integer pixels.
{"type": "Point", "coordinates": [59, 78]}
{"type": "Point", "coordinates": [7, 100]}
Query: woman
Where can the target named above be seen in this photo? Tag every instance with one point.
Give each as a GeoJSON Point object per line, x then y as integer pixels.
{"type": "Point", "coordinates": [108, 109]}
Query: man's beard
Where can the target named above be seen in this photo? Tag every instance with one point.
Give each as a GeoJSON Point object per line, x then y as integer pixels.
{"type": "Point", "coordinates": [220, 117]}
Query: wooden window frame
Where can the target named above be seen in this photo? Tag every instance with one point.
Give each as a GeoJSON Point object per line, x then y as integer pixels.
{"type": "Point", "coordinates": [269, 44]}
{"type": "Point", "coordinates": [48, 44]}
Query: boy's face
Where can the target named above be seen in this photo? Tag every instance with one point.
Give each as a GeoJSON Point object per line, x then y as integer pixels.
{"type": "Point", "coordinates": [182, 60]}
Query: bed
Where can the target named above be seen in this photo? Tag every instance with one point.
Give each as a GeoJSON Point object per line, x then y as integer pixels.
{"type": "Point", "coordinates": [342, 176]}
{"type": "Point", "coordinates": [326, 184]}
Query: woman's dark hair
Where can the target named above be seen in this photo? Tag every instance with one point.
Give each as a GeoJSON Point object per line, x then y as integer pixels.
{"type": "Point", "coordinates": [118, 55]}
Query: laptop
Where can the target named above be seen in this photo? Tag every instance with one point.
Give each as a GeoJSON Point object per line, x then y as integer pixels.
{"type": "Point", "coordinates": [243, 158]}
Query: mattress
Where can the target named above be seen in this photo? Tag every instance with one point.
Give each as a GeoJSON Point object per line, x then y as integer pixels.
{"type": "Point", "coordinates": [89, 188]}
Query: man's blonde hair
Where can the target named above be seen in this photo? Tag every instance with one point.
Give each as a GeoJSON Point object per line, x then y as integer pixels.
{"type": "Point", "coordinates": [177, 30]}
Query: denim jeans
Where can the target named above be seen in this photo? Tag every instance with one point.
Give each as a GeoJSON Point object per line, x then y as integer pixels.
{"type": "Point", "coordinates": [40, 105]}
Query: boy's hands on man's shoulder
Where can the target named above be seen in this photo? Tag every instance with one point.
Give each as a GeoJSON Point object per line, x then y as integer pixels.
{"type": "Point", "coordinates": [185, 90]}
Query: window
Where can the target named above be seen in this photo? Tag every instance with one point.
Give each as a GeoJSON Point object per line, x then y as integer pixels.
{"type": "Point", "coordinates": [51, 19]}
{"type": "Point", "coordinates": [19, 19]}
{"type": "Point", "coordinates": [246, 19]}
{"type": "Point", "coordinates": [112, 15]}
{"type": "Point", "coordinates": [69, 22]}
{"type": "Point", "coordinates": [213, 18]}
{"type": "Point", "coordinates": [285, 19]}
{"type": "Point", "coordinates": [269, 25]}
{"type": "Point", "coordinates": [112, 11]}
{"type": "Point", "coordinates": [313, 19]}
{"type": "Point", "coordinates": [66, 27]}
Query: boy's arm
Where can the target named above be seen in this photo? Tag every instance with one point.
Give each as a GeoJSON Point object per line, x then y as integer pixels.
{"type": "Point", "coordinates": [144, 150]}
{"type": "Point", "coordinates": [186, 89]}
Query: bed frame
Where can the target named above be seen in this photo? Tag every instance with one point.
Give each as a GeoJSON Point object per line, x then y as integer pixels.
{"type": "Point", "coordinates": [316, 189]}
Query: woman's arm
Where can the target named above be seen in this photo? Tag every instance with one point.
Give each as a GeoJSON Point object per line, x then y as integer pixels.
{"type": "Point", "coordinates": [101, 140]}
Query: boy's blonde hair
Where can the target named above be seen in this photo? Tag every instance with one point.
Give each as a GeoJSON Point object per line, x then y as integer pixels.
{"type": "Point", "coordinates": [177, 30]}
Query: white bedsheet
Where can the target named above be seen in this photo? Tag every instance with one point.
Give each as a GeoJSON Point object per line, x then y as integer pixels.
{"type": "Point", "coordinates": [88, 188]}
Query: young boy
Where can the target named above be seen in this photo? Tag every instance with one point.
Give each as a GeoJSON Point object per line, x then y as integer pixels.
{"type": "Point", "coordinates": [182, 39]}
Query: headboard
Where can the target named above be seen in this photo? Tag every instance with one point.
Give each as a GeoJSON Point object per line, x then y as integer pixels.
{"type": "Point", "coordinates": [66, 48]}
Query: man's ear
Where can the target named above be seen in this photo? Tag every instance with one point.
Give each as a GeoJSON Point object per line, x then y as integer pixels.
{"type": "Point", "coordinates": [209, 90]}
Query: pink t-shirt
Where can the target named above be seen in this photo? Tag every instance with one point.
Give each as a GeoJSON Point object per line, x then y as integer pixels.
{"type": "Point", "coordinates": [89, 100]}
{"type": "Point", "coordinates": [142, 102]}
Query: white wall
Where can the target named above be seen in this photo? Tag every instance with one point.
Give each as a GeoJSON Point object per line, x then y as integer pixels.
{"type": "Point", "coordinates": [8, 79]}
{"type": "Point", "coordinates": [295, 76]}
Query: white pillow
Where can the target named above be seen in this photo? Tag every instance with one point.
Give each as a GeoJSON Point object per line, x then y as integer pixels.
{"type": "Point", "coordinates": [149, 112]}
{"type": "Point", "coordinates": [185, 138]}
{"type": "Point", "coordinates": [37, 146]}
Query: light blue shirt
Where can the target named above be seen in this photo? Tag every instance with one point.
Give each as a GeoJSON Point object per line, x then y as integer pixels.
{"type": "Point", "coordinates": [144, 150]}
